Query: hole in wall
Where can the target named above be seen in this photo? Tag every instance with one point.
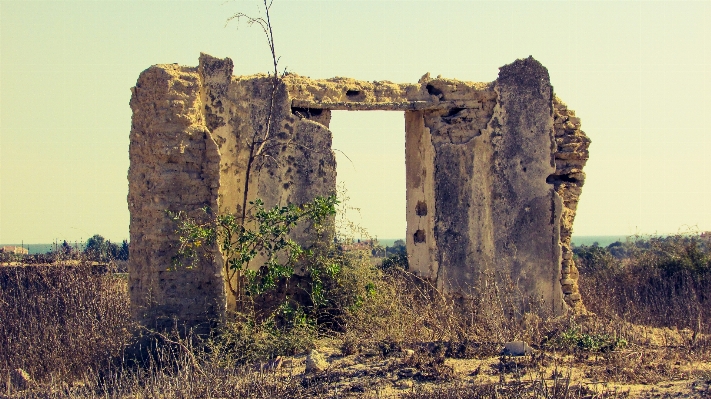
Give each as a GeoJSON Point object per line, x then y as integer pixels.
{"type": "Point", "coordinates": [421, 208]}
{"type": "Point", "coordinates": [370, 157]}
{"type": "Point", "coordinates": [454, 111]}
{"type": "Point", "coordinates": [419, 236]}
{"type": "Point", "coordinates": [306, 112]}
{"type": "Point", "coordinates": [557, 179]}
{"type": "Point", "coordinates": [431, 90]}
{"type": "Point", "coordinates": [355, 95]}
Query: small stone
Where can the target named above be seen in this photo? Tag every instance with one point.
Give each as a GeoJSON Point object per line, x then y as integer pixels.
{"type": "Point", "coordinates": [573, 297]}
{"type": "Point", "coordinates": [516, 348]}
{"type": "Point", "coordinates": [408, 372]}
{"type": "Point", "coordinates": [404, 384]}
{"type": "Point", "coordinates": [20, 379]}
{"type": "Point", "coordinates": [574, 274]}
{"type": "Point", "coordinates": [315, 362]}
{"type": "Point", "coordinates": [407, 353]}
{"type": "Point", "coordinates": [357, 388]}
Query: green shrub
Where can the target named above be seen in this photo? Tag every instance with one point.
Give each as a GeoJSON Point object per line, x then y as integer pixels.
{"type": "Point", "coordinates": [395, 261]}
{"type": "Point", "coordinates": [242, 340]}
{"type": "Point", "coordinates": [574, 339]}
{"type": "Point", "coordinates": [594, 258]}
{"type": "Point", "coordinates": [257, 248]}
{"type": "Point", "coordinates": [674, 254]}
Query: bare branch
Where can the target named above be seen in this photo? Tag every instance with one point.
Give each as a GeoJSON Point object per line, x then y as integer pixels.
{"type": "Point", "coordinates": [344, 154]}
{"type": "Point", "coordinates": [257, 146]}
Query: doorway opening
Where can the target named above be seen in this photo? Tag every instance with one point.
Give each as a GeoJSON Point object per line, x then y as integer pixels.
{"type": "Point", "coordinates": [370, 156]}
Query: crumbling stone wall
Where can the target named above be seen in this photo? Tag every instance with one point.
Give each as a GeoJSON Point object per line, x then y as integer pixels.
{"type": "Point", "coordinates": [174, 166]}
{"type": "Point", "coordinates": [494, 173]}
{"type": "Point", "coordinates": [191, 135]}
{"type": "Point", "coordinates": [570, 158]}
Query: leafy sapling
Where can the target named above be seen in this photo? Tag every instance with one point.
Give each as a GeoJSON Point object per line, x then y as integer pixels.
{"type": "Point", "coordinates": [263, 237]}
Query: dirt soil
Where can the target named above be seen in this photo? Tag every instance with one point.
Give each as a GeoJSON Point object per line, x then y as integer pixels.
{"type": "Point", "coordinates": [651, 372]}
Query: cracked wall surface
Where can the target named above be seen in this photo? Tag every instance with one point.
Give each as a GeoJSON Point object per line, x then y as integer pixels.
{"type": "Point", "coordinates": [494, 174]}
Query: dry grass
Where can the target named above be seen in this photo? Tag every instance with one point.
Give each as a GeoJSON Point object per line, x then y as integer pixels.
{"type": "Point", "coordinates": [59, 322]}
{"type": "Point", "coordinates": [662, 282]}
{"type": "Point", "coordinates": [558, 388]}
{"type": "Point", "coordinates": [406, 311]}
{"type": "Point", "coordinates": [69, 328]}
{"type": "Point", "coordinates": [650, 296]}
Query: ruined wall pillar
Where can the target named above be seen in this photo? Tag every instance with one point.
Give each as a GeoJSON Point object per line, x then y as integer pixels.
{"type": "Point", "coordinates": [423, 258]}
{"type": "Point", "coordinates": [174, 167]}
{"type": "Point", "coordinates": [525, 206]}
{"type": "Point", "coordinates": [193, 138]}
{"type": "Point", "coordinates": [480, 203]}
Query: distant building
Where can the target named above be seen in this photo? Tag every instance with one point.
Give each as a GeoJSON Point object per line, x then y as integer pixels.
{"type": "Point", "coordinates": [706, 236]}
{"type": "Point", "coordinates": [11, 249]}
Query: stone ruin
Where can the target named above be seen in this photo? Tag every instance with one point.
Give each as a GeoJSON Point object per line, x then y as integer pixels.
{"type": "Point", "coordinates": [494, 173]}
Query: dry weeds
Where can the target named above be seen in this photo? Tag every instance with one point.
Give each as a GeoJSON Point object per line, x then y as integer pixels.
{"type": "Point", "coordinates": [385, 334]}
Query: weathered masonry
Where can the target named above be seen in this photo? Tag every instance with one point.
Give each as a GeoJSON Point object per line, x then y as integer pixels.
{"type": "Point", "coordinates": [494, 173]}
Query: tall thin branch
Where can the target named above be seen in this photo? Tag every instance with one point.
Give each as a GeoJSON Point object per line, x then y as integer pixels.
{"type": "Point", "coordinates": [257, 146]}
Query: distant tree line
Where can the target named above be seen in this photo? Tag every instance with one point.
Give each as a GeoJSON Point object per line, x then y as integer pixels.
{"type": "Point", "coordinates": [659, 281]}
{"type": "Point", "coordinates": [99, 249]}
{"type": "Point", "coordinates": [666, 253]}
{"type": "Point", "coordinates": [96, 249]}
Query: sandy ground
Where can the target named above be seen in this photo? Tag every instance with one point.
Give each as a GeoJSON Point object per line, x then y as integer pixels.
{"type": "Point", "coordinates": [372, 375]}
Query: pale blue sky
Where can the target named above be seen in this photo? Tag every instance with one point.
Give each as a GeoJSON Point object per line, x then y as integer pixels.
{"type": "Point", "coordinates": [637, 73]}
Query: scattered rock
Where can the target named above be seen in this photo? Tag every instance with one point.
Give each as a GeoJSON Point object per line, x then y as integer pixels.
{"type": "Point", "coordinates": [408, 372]}
{"type": "Point", "coordinates": [20, 379]}
{"type": "Point", "coordinates": [404, 384]}
{"type": "Point", "coordinates": [516, 348]}
{"type": "Point", "coordinates": [315, 362]}
{"type": "Point", "coordinates": [407, 353]}
{"type": "Point", "coordinates": [370, 353]}
{"type": "Point", "coordinates": [357, 388]}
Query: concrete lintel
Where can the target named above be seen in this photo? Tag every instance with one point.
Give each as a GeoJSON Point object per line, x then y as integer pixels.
{"type": "Point", "coordinates": [385, 106]}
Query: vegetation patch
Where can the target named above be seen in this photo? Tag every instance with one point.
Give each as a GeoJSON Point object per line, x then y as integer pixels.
{"type": "Point", "coordinates": [573, 339]}
{"type": "Point", "coordinates": [67, 329]}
